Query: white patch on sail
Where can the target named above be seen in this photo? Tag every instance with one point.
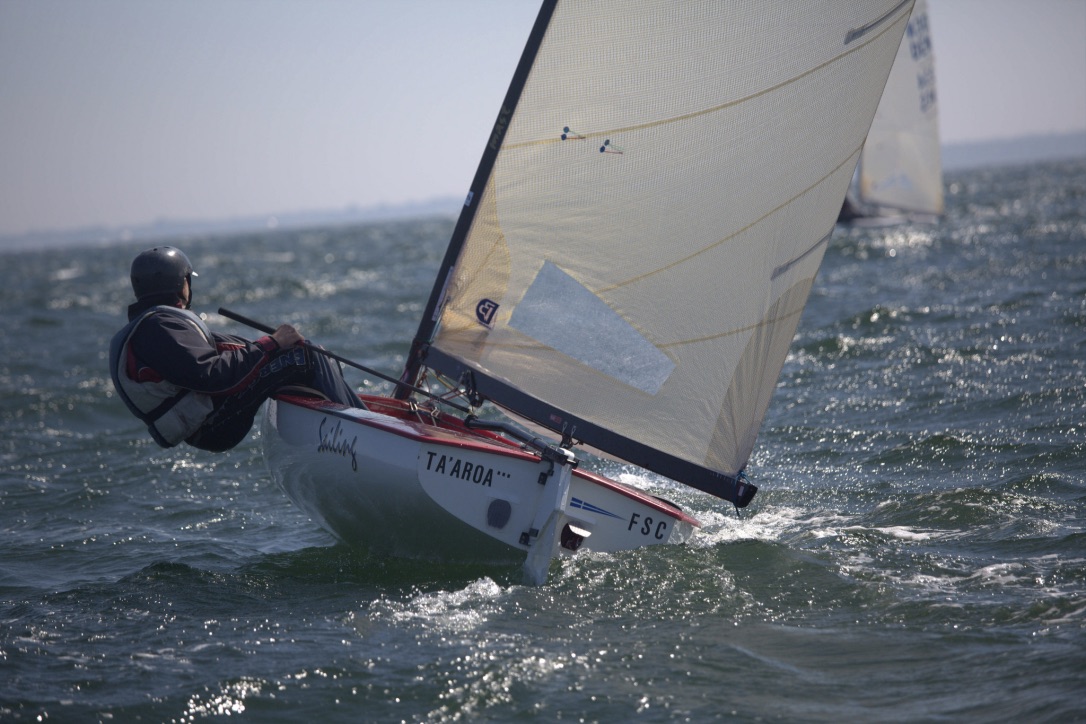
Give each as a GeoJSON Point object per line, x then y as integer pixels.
{"type": "Point", "coordinates": [562, 313]}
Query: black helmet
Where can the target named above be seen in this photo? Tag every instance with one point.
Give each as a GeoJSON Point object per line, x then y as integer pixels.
{"type": "Point", "coordinates": [161, 270]}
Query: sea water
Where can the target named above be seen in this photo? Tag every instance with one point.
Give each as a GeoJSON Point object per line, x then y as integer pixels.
{"type": "Point", "coordinates": [917, 550]}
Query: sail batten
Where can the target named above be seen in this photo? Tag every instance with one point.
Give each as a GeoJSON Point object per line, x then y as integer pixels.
{"type": "Point", "coordinates": [636, 289]}
{"type": "Point", "coordinates": [857, 33]}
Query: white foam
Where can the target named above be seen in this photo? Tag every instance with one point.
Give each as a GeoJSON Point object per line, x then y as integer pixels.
{"type": "Point", "coordinates": [459, 611]}
{"type": "Point", "coordinates": [900, 532]}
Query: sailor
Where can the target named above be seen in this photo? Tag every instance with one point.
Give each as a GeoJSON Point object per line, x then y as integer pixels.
{"type": "Point", "coordinates": [189, 383]}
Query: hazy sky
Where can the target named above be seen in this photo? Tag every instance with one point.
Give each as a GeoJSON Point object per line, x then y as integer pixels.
{"type": "Point", "coordinates": [123, 112]}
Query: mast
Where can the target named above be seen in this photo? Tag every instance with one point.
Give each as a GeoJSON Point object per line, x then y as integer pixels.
{"type": "Point", "coordinates": [429, 320]}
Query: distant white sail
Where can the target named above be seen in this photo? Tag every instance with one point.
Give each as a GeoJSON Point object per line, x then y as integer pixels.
{"type": "Point", "coordinates": [637, 254]}
{"type": "Point", "coordinates": [901, 168]}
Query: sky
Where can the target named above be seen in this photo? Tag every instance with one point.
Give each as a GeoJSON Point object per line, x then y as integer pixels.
{"type": "Point", "coordinates": [126, 112]}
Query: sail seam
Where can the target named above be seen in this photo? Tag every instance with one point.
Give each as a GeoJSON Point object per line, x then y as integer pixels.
{"type": "Point", "coordinates": [851, 157]}
{"type": "Point", "coordinates": [739, 330]}
{"type": "Point", "coordinates": [723, 106]}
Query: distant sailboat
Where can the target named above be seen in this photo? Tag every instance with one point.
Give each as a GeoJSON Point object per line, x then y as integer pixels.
{"type": "Point", "coordinates": [627, 275]}
{"type": "Point", "coordinates": [900, 174]}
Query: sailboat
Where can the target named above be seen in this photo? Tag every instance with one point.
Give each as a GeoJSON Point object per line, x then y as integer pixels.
{"type": "Point", "coordinates": [625, 278]}
{"type": "Point", "coordinates": [900, 173]}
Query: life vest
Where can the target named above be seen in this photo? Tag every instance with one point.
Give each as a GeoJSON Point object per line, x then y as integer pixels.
{"type": "Point", "coordinates": [172, 413]}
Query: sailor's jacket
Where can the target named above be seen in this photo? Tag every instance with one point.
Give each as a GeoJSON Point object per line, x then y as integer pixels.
{"type": "Point", "coordinates": [170, 369]}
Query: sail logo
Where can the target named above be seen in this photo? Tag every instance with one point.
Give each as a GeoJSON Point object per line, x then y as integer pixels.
{"type": "Point", "coordinates": [586, 506]}
{"type": "Point", "coordinates": [485, 311]}
{"type": "Point", "coordinates": [925, 86]}
{"type": "Point", "coordinates": [919, 37]}
{"type": "Point", "coordinates": [500, 127]}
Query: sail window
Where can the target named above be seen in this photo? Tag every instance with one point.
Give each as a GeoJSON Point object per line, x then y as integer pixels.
{"type": "Point", "coordinates": [563, 314]}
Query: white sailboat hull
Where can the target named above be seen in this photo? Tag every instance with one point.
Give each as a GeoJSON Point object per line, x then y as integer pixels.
{"type": "Point", "coordinates": [405, 484]}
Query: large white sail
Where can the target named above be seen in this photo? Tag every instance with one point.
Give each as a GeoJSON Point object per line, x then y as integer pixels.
{"type": "Point", "coordinates": [638, 250]}
{"type": "Point", "coordinates": [901, 168]}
